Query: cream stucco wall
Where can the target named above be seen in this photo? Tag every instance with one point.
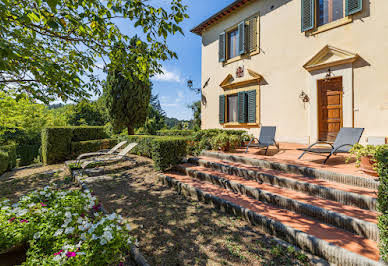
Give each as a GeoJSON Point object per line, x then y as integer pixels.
{"type": "Point", "coordinates": [284, 51]}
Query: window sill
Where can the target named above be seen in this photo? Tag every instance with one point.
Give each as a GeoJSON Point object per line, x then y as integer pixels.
{"type": "Point", "coordinates": [332, 25]}
{"type": "Point", "coordinates": [241, 57]}
{"type": "Point", "coordinates": [243, 125]}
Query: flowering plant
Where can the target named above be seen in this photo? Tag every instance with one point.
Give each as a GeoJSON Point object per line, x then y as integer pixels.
{"type": "Point", "coordinates": [64, 227]}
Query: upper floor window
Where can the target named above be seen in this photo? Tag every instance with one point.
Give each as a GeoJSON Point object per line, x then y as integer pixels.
{"type": "Point", "coordinates": [232, 45]}
{"type": "Point", "coordinates": [239, 41]}
{"type": "Point", "coordinates": [316, 13]}
{"type": "Point", "coordinates": [329, 11]}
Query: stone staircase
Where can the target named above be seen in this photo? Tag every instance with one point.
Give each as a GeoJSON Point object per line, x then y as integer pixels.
{"type": "Point", "coordinates": [327, 214]}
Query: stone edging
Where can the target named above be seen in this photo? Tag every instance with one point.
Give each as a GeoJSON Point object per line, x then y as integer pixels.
{"type": "Point", "coordinates": [307, 242]}
{"type": "Point", "coordinates": [344, 197]}
{"type": "Point", "coordinates": [135, 253]}
{"type": "Point", "coordinates": [297, 169]}
{"type": "Point", "coordinates": [351, 224]}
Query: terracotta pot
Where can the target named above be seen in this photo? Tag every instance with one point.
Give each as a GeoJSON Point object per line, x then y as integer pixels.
{"type": "Point", "coordinates": [366, 165]}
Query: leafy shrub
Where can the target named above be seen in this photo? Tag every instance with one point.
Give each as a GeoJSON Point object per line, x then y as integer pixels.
{"type": "Point", "coordinates": [3, 162]}
{"type": "Point", "coordinates": [64, 228]}
{"type": "Point", "coordinates": [27, 153]}
{"type": "Point", "coordinates": [359, 151]}
{"type": "Point", "coordinates": [381, 156]}
{"type": "Point", "coordinates": [168, 151]}
{"type": "Point", "coordinates": [80, 147]}
{"type": "Point", "coordinates": [165, 151]}
{"type": "Point", "coordinates": [225, 142]}
{"type": "Point", "coordinates": [56, 141]}
{"type": "Point", "coordinates": [173, 132]}
{"type": "Point", "coordinates": [11, 152]}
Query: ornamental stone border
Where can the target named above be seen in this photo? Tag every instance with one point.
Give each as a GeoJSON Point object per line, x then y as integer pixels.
{"type": "Point", "coordinates": [297, 169]}
{"type": "Point", "coordinates": [351, 224]}
{"type": "Point", "coordinates": [309, 243]}
{"type": "Point", "coordinates": [344, 197]}
{"type": "Point", "coordinates": [135, 253]}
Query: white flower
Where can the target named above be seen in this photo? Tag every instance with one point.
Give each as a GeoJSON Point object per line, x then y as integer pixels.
{"type": "Point", "coordinates": [128, 227]}
{"type": "Point", "coordinates": [118, 227]}
{"type": "Point", "coordinates": [79, 220]}
{"type": "Point", "coordinates": [58, 232]}
{"type": "Point", "coordinates": [96, 214]}
{"type": "Point", "coordinates": [37, 235]}
{"type": "Point", "coordinates": [15, 205]}
{"type": "Point", "coordinates": [112, 217]}
{"type": "Point", "coordinates": [108, 235]}
{"type": "Point", "coordinates": [68, 214]}
{"type": "Point", "coordinates": [68, 247]}
{"type": "Point", "coordinates": [129, 241]}
{"type": "Point", "coordinates": [103, 242]}
{"type": "Point", "coordinates": [22, 212]}
{"type": "Point", "coordinates": [42, 193]}
{"type": "Point", "coordinates": [79, 244]}
{"type": "Point", "coordinates": [46, 188]}
{"type": "Point", "coordinates": [83, 236]}
{"type": "Point", "coordinates": [94, 237]}
{"type": "Point", "coordinates": [57, 258]}
{"type": "Point", "coordinates": [31, 205]}
{"type": "Point", "coordinates": [69, 230]}
{"type": "Point", "coordinates": [80, 253]}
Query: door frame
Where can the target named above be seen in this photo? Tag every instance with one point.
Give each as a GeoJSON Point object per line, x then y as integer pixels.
{"type": "Point", "coordinates": [346, 71]}
{"type": "Point", "coordinates": [319, 99]}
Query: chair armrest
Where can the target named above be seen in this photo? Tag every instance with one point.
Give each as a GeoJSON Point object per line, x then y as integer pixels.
{"type": "Point", "coordinates": [320, 142]}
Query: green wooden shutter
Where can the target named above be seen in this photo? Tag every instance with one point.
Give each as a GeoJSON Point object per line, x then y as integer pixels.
{"type": "Point", "coordinates": [221, 47]}
{"type": "Point", "coordinates": [241, 38]}
{"type": "Point", "coordinates": [251, 95]}
{"type": "Point", "coordinates": [308, 15]}
{"type": "Point", "coordinates": [251, 36]}
{"type": "Point", "coordinates": [222, 109]}
{"type": "Point", "coordinates": [353, 6]}
{"type": "Point", "coordinates": [242, 107]}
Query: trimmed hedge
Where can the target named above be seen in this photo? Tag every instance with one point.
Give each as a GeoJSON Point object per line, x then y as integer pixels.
{"type": "Point", "coordinates": [174, 132]}
{"type": "Point", "coordinates": [27, 154]}
{"type": "Point", "coordinates": [56, 141]}
{"type": "Point", "coordinates": [165, 151]}
{"type": "Point", "coordinates": [3, 162]}
{"type": "Point", "coordinates": [382, 199]}
{"type": "Point", "coordinates": [80, 147]}
{"type": "Point", "coordinates": [11, 152]}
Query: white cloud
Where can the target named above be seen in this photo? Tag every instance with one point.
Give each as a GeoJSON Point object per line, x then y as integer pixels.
{"type": "Point", "coordinates": [169, 76]}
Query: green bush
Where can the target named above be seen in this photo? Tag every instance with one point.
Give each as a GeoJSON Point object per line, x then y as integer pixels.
{"type": "Point", "coordinates": [80, 147]}
{"type": "Point", "coordinates": [56, 141]}
{"type": "Point", "coordinates": [27, 154]}
{"type": "Point", "coordinates": [3, 162]}
{"type": "Point", "coordinates": [11, 152]}
{"type": "Point", "coordinates": [173, 132]}
{"type": "Point", "coordinates": [168, 151]}
{"type": "Point", "coordinates": [381, 155]}
{"type": "Point", "coordinates": [165, 151]}
{"type": "Point", "coordinates": [225, 142]}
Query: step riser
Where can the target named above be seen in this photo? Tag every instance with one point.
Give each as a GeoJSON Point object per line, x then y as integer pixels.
{"type": "Point", "coordinates": [316, 246]}
{"type": "Point", "coordinates": [347, 198]}
{"type": "Point", "coordinates": [296, 169]}
{"type": "Point", "coordinates": [353, 225]}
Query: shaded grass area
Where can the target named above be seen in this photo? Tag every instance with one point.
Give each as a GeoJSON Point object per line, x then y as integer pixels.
{"type": "Point", "coordinates": [173, 230]}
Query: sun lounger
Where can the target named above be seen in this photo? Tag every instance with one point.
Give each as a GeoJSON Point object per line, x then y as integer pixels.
{"type": "Point", "coordinates": [266, 139]}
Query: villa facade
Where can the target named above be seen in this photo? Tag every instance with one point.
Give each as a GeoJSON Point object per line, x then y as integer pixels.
{"type": "Point", "coordinates": [308, 67]}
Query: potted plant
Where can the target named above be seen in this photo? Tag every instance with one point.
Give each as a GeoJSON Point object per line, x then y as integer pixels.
{"type": "Point", "coordinates": [365, 158]}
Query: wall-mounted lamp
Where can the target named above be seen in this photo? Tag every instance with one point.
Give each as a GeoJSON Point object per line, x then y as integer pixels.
{"type": "Point", "coordinates": [304, 97]}
{"type": "Point", "coordinates": [329, 75]}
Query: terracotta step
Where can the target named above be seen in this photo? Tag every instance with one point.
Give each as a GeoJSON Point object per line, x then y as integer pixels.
{"type": "Point", "coordinates": [346, 194]}
{"type": "Point", "coordinates": [356, 220]}
{"type": "Point", "coordinates": [334, 244]}
{"type": "Point", "coordinates": [293, 167]}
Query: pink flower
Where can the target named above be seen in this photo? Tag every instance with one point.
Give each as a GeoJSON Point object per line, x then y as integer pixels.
{"type": "Point", "coordinates": [97, 207]}
{"type": "Point", "coordinates": [23, 221]}
{"type": "Point", "coordinates": [43, 205]}
{"type": "Point", "coordinates": [58, 253]}
{"type": "Point", "coordinates": [11, 220]}
{"type": "Point", "coordinates": [82, 215]}
{"type": "Point", "coordinates": [70, 254]}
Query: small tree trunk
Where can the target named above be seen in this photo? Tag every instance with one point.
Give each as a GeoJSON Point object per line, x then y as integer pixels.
{"type": "Point", "coordinates": [131, 130]}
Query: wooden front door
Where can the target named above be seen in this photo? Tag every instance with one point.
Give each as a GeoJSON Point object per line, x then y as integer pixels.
{"type": "Point", "coordinates": [329, 108]}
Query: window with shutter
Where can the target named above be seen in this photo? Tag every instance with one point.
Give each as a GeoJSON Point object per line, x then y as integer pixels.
{"type": "Point", "coordinates": [241, 38]}
{"type": "Point", "coordinates": [222, 109]}
{"type": "Point", "coordinates": [251, 35]}
{"type": "Point", "coordinates": [242, 107]}
{"type": "Point", "coordinates": [353, 6]}
{"type": "Point", "coordinates": [308, 18]}
{"type": "Point", "coordinates": [251, 109]}
{"type": "Point", "coordinates": [221, 48]}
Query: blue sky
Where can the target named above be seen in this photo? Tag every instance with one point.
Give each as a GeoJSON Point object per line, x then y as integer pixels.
{"type": "Point", "coordinates": [171, 87]}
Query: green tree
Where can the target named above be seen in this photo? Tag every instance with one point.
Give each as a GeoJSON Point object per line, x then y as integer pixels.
{"type": "Point", "coordinates": [196, 107]}
{"type": "Point", "coordinates": [87, 113]}
{"type": "Point", "coordinates": [155, 119]}
{"type": "Point", "coordinates": [52, 48]}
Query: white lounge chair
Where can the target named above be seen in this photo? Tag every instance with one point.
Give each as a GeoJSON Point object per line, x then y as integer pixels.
{"type": "Point", "coordinates": [101, 152]}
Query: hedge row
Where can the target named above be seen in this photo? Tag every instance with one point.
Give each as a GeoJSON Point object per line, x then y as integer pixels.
{"type": "Point", "coordinates": [165, 151]}
{"type": "Point", "coordinates": [382, 199]}
{"type": "Point", "coordinates": [3, 162]}
{"type": "Point", "coordinates": [56, 141]}
{"type": "Point", "coordinates": [27, 153]}
{"type": "Point", "coordinates": [10, 150]}
{"type": "Point", "coordinates": [174, 132]}
{"type": "Point", "coordinates": [80, 147]}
